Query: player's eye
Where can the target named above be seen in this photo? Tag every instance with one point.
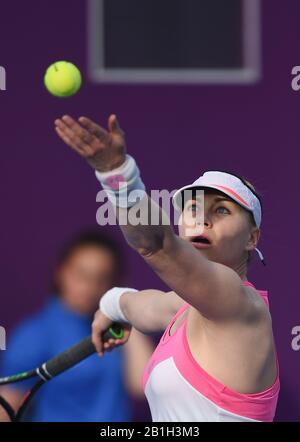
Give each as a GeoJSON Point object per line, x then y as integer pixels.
{"type": "Point", "coordinates": [222, 207]}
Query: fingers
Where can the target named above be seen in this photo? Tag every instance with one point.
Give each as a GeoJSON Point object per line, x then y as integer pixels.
{"type": "Point", "coordinates": [97, 328]}
{"type": "Point", "coordinates": [111, 344]}
{"type": "Point", "coordinates": [99, 325]}
{"type": "Point", "coordinates": [77, 138]}
{"type": "Point", "coordinates": [69, 139]}
{"type": "Point", "coordinates": [74, 128]}
{"type": "Point", "coordinates": [96, 339]}
{"type": "Point", "coordinates": [113, 125]}
{"type": "Point", "coordinates": [86, 138]}
{"type": "Point", "coordinates": [62, 135]}
{"type": "Point", "coordinates": [102, 347]}
{"type": "Point", "coordinates": [93, 128]}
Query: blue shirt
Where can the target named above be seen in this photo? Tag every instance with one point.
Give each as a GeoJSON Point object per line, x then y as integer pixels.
{"type": "Point", "coordinates": [93, 390]}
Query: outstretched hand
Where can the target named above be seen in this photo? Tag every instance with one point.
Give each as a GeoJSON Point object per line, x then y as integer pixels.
{"type": "Point", "coordinates": [103, 149]}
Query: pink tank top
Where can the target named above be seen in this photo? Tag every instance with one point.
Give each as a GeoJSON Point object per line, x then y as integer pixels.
{"type": "Point", "coordinates": [179, 390]}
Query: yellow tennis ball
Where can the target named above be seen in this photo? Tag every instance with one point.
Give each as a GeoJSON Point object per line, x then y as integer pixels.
{"type": "Point", "coordinates": [62, 79]}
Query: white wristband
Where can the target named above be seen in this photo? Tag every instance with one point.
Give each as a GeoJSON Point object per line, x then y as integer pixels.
{"type": "Point", "coordinates": [123, 185]}
{"type": "Point", "coordinates": [110, 303]}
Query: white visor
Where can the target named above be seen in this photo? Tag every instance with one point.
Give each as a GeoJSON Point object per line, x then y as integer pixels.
{"type": "Point", "coordinates": [229, 185]}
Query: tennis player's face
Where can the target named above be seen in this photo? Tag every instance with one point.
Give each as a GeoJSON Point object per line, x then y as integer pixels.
{"type": "Point", "coordinates": [85, 277]}
{"type": "Point", "coordinates": [224, 223]}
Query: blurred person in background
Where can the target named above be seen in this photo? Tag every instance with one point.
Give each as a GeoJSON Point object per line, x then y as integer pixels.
{"type": "Point", "coordinates": [94, 390]}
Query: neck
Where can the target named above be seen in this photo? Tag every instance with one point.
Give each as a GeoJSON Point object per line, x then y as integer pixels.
{"type": "Point", "coordinates": [241, 270]}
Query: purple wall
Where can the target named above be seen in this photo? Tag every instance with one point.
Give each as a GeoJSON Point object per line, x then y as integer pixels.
{"type": "Point", "coordinates": [47, 192]}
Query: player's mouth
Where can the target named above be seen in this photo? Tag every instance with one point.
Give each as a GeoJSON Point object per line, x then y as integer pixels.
{"type": "Point", "coordinates": [200, 242]}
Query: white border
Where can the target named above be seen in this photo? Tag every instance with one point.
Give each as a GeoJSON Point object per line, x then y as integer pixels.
{"type": "Point", "coordinates": [250, 73]}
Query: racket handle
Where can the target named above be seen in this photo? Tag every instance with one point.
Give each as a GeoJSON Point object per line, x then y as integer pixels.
{"type": "Point", "coordinates": [76, 353]}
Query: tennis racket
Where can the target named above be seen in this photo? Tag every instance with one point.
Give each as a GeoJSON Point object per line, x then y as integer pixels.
{"type": "Point", "coordinates": [54, 366]}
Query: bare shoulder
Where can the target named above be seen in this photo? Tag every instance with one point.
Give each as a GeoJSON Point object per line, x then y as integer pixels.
{"type": "Point", "coordinates": [258, 310]}
{"type": "Point", "coordinates": [255, 312]}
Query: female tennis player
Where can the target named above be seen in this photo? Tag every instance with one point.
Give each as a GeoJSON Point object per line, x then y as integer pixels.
{"type": "Point", "coordinates": [216, 360]}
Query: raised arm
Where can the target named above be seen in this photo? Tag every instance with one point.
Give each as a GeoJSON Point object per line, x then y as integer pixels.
{"type": "Point", "coordinates": [213, 289]}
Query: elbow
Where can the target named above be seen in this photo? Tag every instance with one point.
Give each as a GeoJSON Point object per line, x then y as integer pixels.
{"type": "Point", "coordinates": [147, 246]}
{"type": "Point", "coordinates": [146, 252]}
{"type": "Point", "coordinates": [163, 244]}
